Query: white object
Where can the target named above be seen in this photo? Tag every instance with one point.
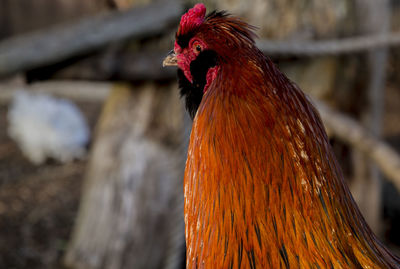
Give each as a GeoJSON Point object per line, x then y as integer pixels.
{"type": "Point", "coordinates": [44, 126]}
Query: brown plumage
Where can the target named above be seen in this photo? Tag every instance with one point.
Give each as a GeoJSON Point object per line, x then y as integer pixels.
{"type": "Point", "coordinates": [262, 186]}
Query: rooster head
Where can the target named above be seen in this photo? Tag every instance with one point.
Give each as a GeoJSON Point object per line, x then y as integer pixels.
{"type": "Point", "coordinates": [203, 44]}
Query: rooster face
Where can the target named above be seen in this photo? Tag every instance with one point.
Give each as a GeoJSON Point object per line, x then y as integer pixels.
{"type": "Point", "coordinates": [197, 62]}
{"type": "Point", "coordinates": [197, 68]}
{"type": "Point", "coordinates": [203, 45]}
{"type": "Point", "coordinates": [187, 54]}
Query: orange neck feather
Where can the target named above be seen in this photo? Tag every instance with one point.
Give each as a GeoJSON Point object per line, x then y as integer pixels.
{"type": "Point", "coordinates": [262, 186]}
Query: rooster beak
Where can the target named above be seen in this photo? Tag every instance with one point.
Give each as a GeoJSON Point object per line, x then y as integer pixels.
{"type": "Point", "coordinates": [170, 60]}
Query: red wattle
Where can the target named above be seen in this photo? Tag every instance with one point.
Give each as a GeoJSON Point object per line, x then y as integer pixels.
{"type": "Point", "coordinates": [211, 75]}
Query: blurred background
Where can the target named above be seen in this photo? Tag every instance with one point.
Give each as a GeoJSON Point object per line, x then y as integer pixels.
{"type": "Point", "coordinates": [93, 134]}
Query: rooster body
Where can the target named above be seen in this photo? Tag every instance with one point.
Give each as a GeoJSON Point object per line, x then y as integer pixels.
{"type": "Point", "coordinates": [262, 186]}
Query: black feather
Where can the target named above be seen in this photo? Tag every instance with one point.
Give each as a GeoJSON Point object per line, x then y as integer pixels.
{"type": "Point", "coordinates": [183, 40]}
{"type": "Point", "coordinates": [217, 14]}
{"type": "Point", "coordinates": [193, 92]}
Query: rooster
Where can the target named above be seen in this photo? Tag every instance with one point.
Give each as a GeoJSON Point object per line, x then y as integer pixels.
{"type": "Point", "coordinates": [262, 186]}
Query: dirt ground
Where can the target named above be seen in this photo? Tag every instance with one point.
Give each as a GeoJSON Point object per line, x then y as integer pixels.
{"type": "Point", "coordinates": [38, 204]}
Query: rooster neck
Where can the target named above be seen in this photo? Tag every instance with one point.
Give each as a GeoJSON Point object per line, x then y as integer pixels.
{"type": "Point", "coordinates": [262, 187]}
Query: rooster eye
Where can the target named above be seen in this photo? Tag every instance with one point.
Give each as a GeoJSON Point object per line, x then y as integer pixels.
{"type": "Point", "coordinates": [198, 47]}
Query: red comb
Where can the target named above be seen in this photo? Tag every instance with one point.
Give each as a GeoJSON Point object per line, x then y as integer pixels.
{"type": "Point", "coordinates": [193, 18]}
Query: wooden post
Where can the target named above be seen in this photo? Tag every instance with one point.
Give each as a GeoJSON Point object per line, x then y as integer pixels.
{"type": "Point", "coordinates": [367, 184]}
{"type": "Point", "coordinates": [131, 213]}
